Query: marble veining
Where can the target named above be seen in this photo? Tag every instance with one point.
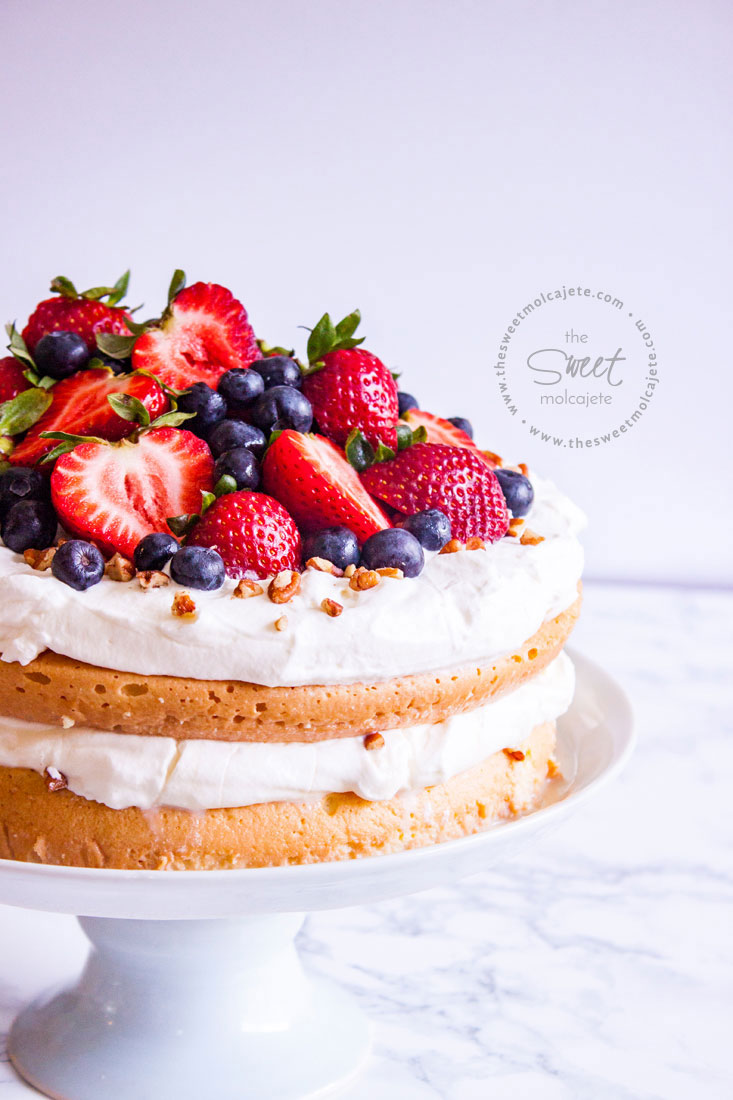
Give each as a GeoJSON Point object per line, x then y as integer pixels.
{"type": "Point", "coordinates": [594, 965]}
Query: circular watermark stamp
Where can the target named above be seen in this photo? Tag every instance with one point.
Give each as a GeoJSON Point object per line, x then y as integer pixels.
{"type": "Point", "coordinates": [577, 366]}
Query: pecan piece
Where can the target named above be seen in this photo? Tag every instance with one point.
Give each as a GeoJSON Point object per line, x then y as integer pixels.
{"type": "Point", "coordinates": [247, 588]}
{"type": "Point", "coordinates": [452, 547]}
{"type": "Point", "coordinates": [39, 559]}
{"type": "Point", "coordinates": [322, 565]}
{"type": "Point", "coordinates": [388, 571]}
{"type": "Point", "coordinates": [529, 538]}
{"type": "Point", "coordinates": [183, 606]}
{"type": "Point", "coordinates": [119, 568]}
{"type": "Point", "coordinates": [55, 780]}
{"type": "Point", "coordinates": [281, 623]}
{"type": "Point", "coordinates": [475, 543]}
{"type": "Point", "coordinates": [152, 578]}
{"type": "Point", "coordinates": [283, 587]}
{"type": "Point", "coordinates": [363, 579]}
{"type": "Point", "coordinates": [373, 741]}
{"type": "Point", "coordinates": [513, 754]}
{"type": "Point", "coordinates": [331, 608]}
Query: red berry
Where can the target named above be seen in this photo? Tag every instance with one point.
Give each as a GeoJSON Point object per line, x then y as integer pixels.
{"type": "Point", "coordinates": [114, 495]}
{"type": "Point", "coordinates": [12, 381]}
{"type": "Point", "coordinates": [457, 480]}
{"type": "Point", "coordinates": [80, 407]}
{"type": "Point", "coordinates": [253, 533]}
{"type": "Point", "coordinates": [204, 333]}
{"type": "Point", "coordinates": [81, 315]}
{"type": "Point", "coordinates": [318, 486]}
{"type": "Point", "coordinates": [442, 431]}
{"type": "Point", "coordinates": [354, 390]}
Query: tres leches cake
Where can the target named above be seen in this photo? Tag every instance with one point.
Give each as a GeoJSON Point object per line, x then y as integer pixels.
{"type": "Point", "coordinates": [259, 611]}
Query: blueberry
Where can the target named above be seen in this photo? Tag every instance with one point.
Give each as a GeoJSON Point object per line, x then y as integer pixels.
{"type": "Point", "coordinates": [229, 434]}
{"type": "Point", "coordinates": [60, 354]}
{"type": "Point", "coordinates": [21, 483]}
{"type": "Point", "coordinates": [282, 407]}
{"type": "Point", "coordinates": [431, 528]}
{"type": "Point", "coordinates": [461, 422]}
{"type": "Point", "coordinates": [335, 544]}
{"type": "Point", "coordinates": [78, 564]}
{"type": "Point", "coordinates": [406, 401]}
{"type": "Point", "coordinates": [240, 387]}
{"type": "Point", "coordinates": [240, 464]}
{"type": "Point", "coordinates": [517, 490]}
{"type": "Point", "coordinates": [393, 549]}
{"type": "Point", "coordinates": [209, 406]}
{"type": "Point", "coordinates": [29, 524]}
{"type": "Point", "coordinates": [154, 551]}
{"type": "Point", "coordinates": [278, 370]}
{"type": "Point", "coordinates": [198, 567]}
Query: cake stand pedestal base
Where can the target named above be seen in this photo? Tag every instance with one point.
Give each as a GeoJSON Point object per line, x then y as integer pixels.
{"type": "Point", "coordinates": [185, 1009]}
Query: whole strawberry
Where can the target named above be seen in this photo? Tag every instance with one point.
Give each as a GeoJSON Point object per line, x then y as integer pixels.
{"type": "Point", "coordinates": [12, 379]}
{"type": "Point", "coordinates": [456, 480]}
{"type": "Point", "coordinates": [253, 533]}
{"type": "Point", "coordinates": [348, 387]}
{"type": "Point", "coordinates": [85, 312]}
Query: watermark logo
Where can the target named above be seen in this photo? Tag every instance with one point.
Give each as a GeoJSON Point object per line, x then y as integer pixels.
{"type": "Point", "coordinates": [577, 367]}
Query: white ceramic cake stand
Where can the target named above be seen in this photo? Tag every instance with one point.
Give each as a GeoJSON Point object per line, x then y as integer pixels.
{"type": "Point", "coordinates": [193, 986]}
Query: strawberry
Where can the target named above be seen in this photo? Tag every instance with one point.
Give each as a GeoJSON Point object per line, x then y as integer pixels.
{"type": "Point", "coordinates": [12, 379]}
{"type": "Point", "coordinates": [349, 387]}
{"type": "Point", "coordinates": [318, 486]}
{"type": "Point", "coordinates": [115, 494]}
{"type": "Point", "coordinates": [442, 431]}
{"type": "Point", "coordinates": [457, 480]}
{"type": "Point", "coordinates": [80, 407]}
{"type": "Point", "coordinates": [203, 333]}
{"type": "Point", "coordinates": [84, 313]}
{"type": "Point", "coordinates": [252, 532]}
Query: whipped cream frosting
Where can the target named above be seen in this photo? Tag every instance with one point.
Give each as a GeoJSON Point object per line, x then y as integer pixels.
{"type": "Point", "coordinates": [123, 770]}
{"type": "Point", "coordinates": [463, 607]}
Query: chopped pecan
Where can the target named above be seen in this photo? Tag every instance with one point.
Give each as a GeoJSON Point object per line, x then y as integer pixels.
{"type": "Point", "coordinates": [363, 579]}
{"type": "Point", "coordinates": [524, 469]}
{"type": "Point", "coordinates": [452, 547]}
{"type": "Point", "coordinates": [247, 588]}
{"type": "Point", "coordinates": [39, 559]}
{"type": "Point", "coordinates": [513, 754]}
{"type": "Point", "coordinates": [322, 565]}
{"type": "Point", "coordinates": [55, 780]}
{"type": "Point", "coordinates": [349, 571]}
{"type": "Point", "coordinates": [283, 587]}
{"type": "Point", "coordinates": [529, 538]}
{"type": "Point", "coordinates": [152, 578]}
{"type": "Point", "coordinates": [331, 608]}
{"type": "Point", "coordinates": [514, 527]}
{"type": "Point", "coordinates": [388, 571]}
{"type": "Point", "coordinates": [373, 741]}
{"type": "Point", "coordinates": [475, 543]}
{"type": "Point", "coordinates": [183, 606]}
{"type": "Point", "coordinates": [119, 568]}
{"type": "Point", "coordinates": [494, 458]}
{"type": "Point", "coordinates": [281, 623]}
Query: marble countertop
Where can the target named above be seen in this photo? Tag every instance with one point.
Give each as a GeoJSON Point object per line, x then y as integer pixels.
{"type": "Point", "coordinates": [596, 964]}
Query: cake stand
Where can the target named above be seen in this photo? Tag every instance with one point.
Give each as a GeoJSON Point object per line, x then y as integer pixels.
{"type": "Point", "coordinates": [193, 986]}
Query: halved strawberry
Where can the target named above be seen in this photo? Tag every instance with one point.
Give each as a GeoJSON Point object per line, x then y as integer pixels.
{"type": "Point", "coordinates": [114, 494]}
{"type": "Point", "coordinates": [12, 379]}
{"type": "Point", "coordinates": [253, 533]}
{"type": "Point", "coordinates": [457, 480]}
{"type": "Point", "coordinates": [203, 333]}
{"type": "Point", "coordinates": [442, 431]}
{"type": "Point", "coordinates": [319, 488]}
{"type": "Point", "coordinates": [80, 407]}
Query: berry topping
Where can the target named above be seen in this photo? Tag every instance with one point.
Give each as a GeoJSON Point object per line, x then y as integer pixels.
{"type": "Point", "coordinates": [203, 333]}
{"type": "Point", "coordinates": [440, 430]}
{"type": "Point", "coordinates": [84, 313]}
{"type": "Point", "coordinates": [279, 370]}
{"type": "Point", "coordinates": [318, 486]}
{"type": "Point", "coordinates": [337, 544]}
{"type": "Point", "coordinates": [154, 551]}
{"type": "Point", "coordinates": [208, 406]}
{"type": "Point", "coordinates": [19, 484]}
{"type": "Point", "coordinates": [352, 390]}
{"type": "Point", "coordinates": [406, 401]}
{"type": "Point", "coordinates": [241, 465]}
{"type": "Point", "coordinates": [239, 388]}
{"type": "Point", "coordinates": [115, 495]}
{"type": "Point", "coordinates": [393, 549]}
{"type": "Point", "coordinates": [280, 408]}
{"type": "Point", "coordinates": [517, 490]}
{"type": "Point", "coordinates": [79, 406]}
{"type": "Point", "coordinates": [29, 524]}
{"type": "Point", "coordinates": [198, 567]}
{"type": "Point", "coordinates": [456, 480]}
{"type": "Point", "coordinates": [431, 528]}
{"type": "Point", "coordinates": [12, 379]}
{"type": "Point", "coordinates": [252, 532]}
{"type": "Point", "coordinates": [78, 564]}
{"type": "Point", "coordinates": [462, 424]}
{"type": "Point", "coordinates": [60, 354]}
{"type": "Point", "coordinates": [229, 434]}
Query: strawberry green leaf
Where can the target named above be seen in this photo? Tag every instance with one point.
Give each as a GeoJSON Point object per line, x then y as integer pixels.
{"type": "Point", "coordinates": [396, 374]}
{"type": "Point", "coordinates": [321, 339]}
{"type": "Point", "coordinates": [225, 484]}
{"type": "Point", "coordinates": [136, 327]}
{"type": "Point", "coordinates": [22, 412]}
{"type": "Point", "coordinates": [65, 287]}
{"type": "Point", "coordinates": [172, 419]}
{"type": "Point", "coordinates": [383, 453]}
{"type": "Point", "coordinates": [117, 347]}
{"type": "Point", "coordinates": [404, 435]}
{"type": "Point", "coordinates": [274, 349]}
{"type": "Point", "coordinates": [207, 499]}
{"type": "Point", "coordinates": [345, 329]}
{"type": "Point", "coordinates": [119, 290]}
{"type": "Point", "coordinates": [420, 435]}
{"type": "Point", "coordinates": [68, 443]}
{"type": "Point", "coordinates": [359, 451]}
{"type": "Point", "coordinates": [177, 284]}
{"type": "Point", "coordinates": [181, 525]}
{"type": "Point", "coordinates": [18, 347]}
{"type": "Point", "coordinates": [129, 408]}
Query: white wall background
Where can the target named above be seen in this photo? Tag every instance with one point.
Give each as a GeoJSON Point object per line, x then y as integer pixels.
{"type": "Point", "coordinates": [434, 163]}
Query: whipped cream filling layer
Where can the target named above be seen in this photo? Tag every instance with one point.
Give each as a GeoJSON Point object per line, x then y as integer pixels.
{"type": "Point", "coordinates": [122, 770]}
{"type": "Point", "coordinates": [463, 607]}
